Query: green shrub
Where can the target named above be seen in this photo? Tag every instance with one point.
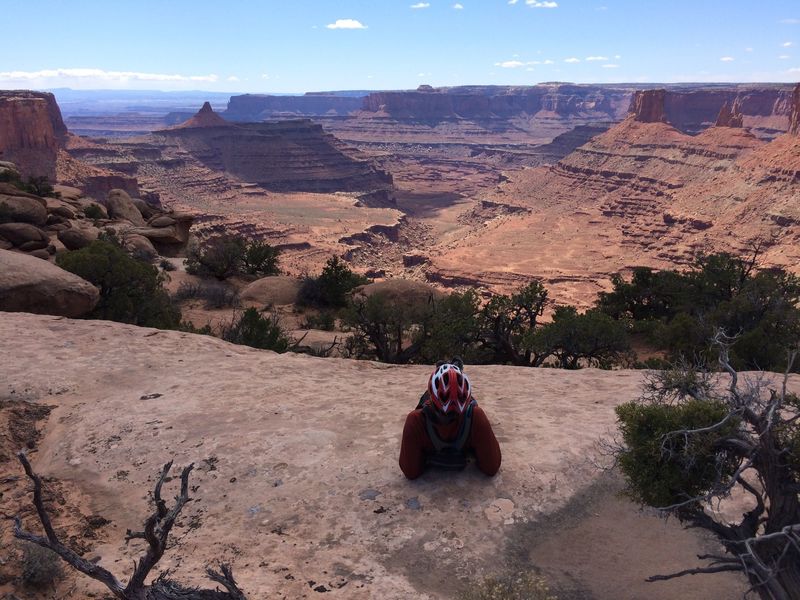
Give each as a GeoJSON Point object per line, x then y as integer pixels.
{"type": "Point", "coordinates": [215, 294]}
{"type": "Point", "coordinates": [93, 211]}
{"type": "Point", "coordinates": [260, 259]}
{"type": "Point", "coordinates": [333, 286]}
{"type": "Point", "coordinates": [664, 468]}
{"type": "Point", "coordinates": [227, 255]}
{"type": "Point", "coordinates": [131, 291]}
{"type": "Point", "coordinates": [325, 320]}
{"type": "Point", "coordinates": [681, 311]}
{"type": "Point", "coordinates": [452, 329]}
{"type": "Point", "coordinates": [254, 329]}
{"type": "Point", "coordinates": [41, 567]}
{"type": "Point", "coordinates": [591, 338]}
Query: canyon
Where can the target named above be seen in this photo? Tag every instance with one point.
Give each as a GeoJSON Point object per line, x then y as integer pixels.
{"type": "Point", "coordinates": [482, 186]}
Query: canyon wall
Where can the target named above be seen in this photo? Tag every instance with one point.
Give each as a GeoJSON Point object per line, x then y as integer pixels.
{"type": "Point", "coordinates": [31, 131]}
{"type": "Point", "coordinates": [485, 102]}
{"type": "Point", "coordinates": [294, 155]}
{"type": "Point", "coordinates": [258, 107]}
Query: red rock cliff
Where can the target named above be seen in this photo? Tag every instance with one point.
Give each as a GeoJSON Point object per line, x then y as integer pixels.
{"type": "Point", "coordinates": [648, 106]}
{"type": "Point", "coordinates": [730, 116]}
{"type": "Point", "coordinates": [794, 118]}
{"type": "Point", "coordinates": [31, 131]}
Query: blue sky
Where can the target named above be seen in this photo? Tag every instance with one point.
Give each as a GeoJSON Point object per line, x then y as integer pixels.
{"type": "Point", "coordinates": [307, 45]}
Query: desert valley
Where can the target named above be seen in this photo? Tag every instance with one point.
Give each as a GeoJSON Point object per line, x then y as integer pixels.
{"type": "Point", "coordinates": [416, 196]}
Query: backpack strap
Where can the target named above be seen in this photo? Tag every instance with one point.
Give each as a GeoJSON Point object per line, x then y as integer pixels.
{"type": "Point", "coordinates": [463, 431]}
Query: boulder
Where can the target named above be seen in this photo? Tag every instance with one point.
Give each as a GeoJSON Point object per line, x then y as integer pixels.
{"type": "Point", "coordinates": [34, 245]}
{"type": "Point", "coordinates": [403, 292]}
{"type": "Point", "coordinates": [161, 221]}
{"type": "Point", "coordinates": [139, 246]}
{"type": "Point", "coordinates": [29, 284]}
{"type": "Point", "coordinates": [120, 206]}
{"type": "Point", "coordinates": [76, 238]}
{"type": "Point", "coordinates": [144, 208]}
{"type": "Point", "coordinates": [62, 211]}
{"type": "Point", "coordinates": [412, 259]}
{"type": "Point", "coordinates": [20, 233]}
{"type": "Point", "coordinates": [277, 290]}
{"type": "Point", "coordinates": [41, 253]}
{"type": "Point", "coordinates": [22, 209]}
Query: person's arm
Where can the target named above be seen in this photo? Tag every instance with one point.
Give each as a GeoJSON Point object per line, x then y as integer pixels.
{"type": "Point", "coordinates": [487, 450]}
{"type": "Point", "coordinates": [412, 454]}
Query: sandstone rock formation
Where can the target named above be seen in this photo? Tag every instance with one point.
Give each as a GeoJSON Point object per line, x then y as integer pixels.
{"type": "Point", "coordinates": [31, 131]}
{"type": "Point", "coordinates": [292, 155]}
{"type": "Point", "coordinates": [205, 117]}
{"type": "Point", "coordinates": [642, 193]}
{"type": "Point", "coordinates": [258, 107]}
{"type": "Point", "coordinates": [28, 284]}
{"type": "Point", "coordinates": [275, 290]}
{"type": "Point", "coordinates": [730, 116]}
{"type": "Point", "coordinates": [648, 106]}
{"type": "Point", "coordinates": [21, 207]}
{"type": "Point", "coordinates": [794, 119]}
{"type": "Point", "coordinates": [120, 206]}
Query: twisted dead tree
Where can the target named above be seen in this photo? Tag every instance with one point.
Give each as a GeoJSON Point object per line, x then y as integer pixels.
{"type": "Point", "coordinates": [155, 533]}
{"type": "Point", "coordinates": [688, 446]}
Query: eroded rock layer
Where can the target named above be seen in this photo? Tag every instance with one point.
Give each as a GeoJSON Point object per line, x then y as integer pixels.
{"type": "Point", "coordinates": [31, 131]}
{"type": "Point", "coordinates": [642, 193]}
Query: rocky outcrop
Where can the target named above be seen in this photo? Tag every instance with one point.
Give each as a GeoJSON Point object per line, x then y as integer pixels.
{"type": "Point", "coordinates": [21, 207]}
{"type": "Point", "coordinates": [28, 284]}
{"type": "Point", "coordinates": [730, 116]}
{"type": "Point", "coordinates": [205, 117]}
{"type": "Point", "coordinates": [120, 206]}
{"type": "Point", "coordinates": [276, 290]}
{"type": "Point", "coordinates": [794, 119]}
{"type": "Point", "coordinates": [31, 131]}
{"type": "Point", "coordinates": [258, 107]}
{"type": "Point", "coordinates": [648, 106]}
{"type": "Point", "coordinates": [295, 155]}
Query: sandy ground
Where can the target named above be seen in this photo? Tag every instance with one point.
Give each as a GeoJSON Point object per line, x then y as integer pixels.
{"type": "Point", "coordinates": [296, 478]}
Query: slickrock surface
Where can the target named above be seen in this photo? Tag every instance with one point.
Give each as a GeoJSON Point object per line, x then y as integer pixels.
{"type": "Point", "coordinates": [296, 478]}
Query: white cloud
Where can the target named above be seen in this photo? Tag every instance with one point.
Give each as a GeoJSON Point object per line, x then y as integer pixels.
{"type": "Point", "coordinates": [512, 2]}
{"type": "Point", "coordinates": [790, 21]}
{"type": "Point", "coordinates": [346, 24]}
{"type": "Point", "coordinates": [727, 59]}
{"type": "Point", "coordinates": [233, 78]}
{"type": "Point", "coordinates": [458, 6]}
{"type": "Point", "coordinates": [784, 57]}
{"type": "Point", "coordinates": [611, 66]}
{"type": "Point", "coordinates": [596, 58]}
{"type": "Point", "coordinates": [794, 70]}
{"type": "Point", "coordinates": [548, 62]}
{"type": "Point", "coordinates": [601, 8]}
{"type": "Point", "coordinates": [101, 75]}
{"type": "Point", "coordinates": [538, 4]}
{"type": "Point", "coordinates": [572, 59]}
{"type": "Point", "coordinates": [421, 5]}
{"type": "Point", "coordinates": [787, 44]}
{"type": "Point", "coordinates": [748, 49]}
{"type": "Point", "coordinates": [265, 76]}
{"type": "Point", "coordinates": [510, 64]}
{"type": "Point", "coordinates": [617, 56]}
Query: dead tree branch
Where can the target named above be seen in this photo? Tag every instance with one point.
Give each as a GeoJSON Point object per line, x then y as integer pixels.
{"type": "Point", "coordinates": [156, 533]}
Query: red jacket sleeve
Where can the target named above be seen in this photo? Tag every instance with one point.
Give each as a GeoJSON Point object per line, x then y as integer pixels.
{"type": "Point", "coordinates": [484, 443]}
{"type": "Point", "coordinates": [412, 448]}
